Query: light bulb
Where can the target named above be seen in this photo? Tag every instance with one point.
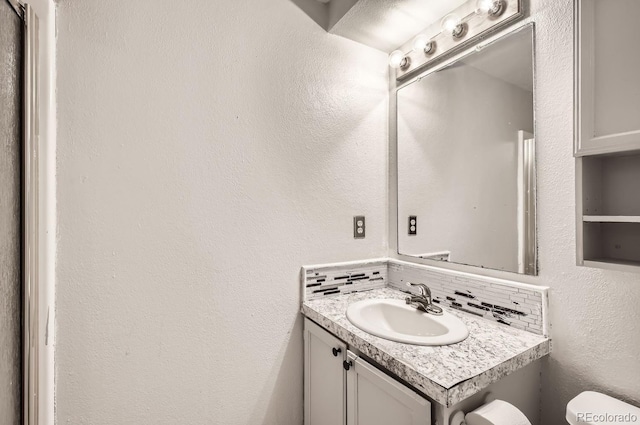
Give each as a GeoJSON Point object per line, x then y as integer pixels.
{"type": "Point", "coordinates": [420, 42]}
{"type": "Point", "coordinates": [483, 6]}
{"type": "Point", "coordinates": [397, 59]}
{"type": "Point", "coordinates": [423, 44]}
{"type": "Point", "coordinates": [490, 7]}
{"type": "Point", "coordinates": [452, 24]}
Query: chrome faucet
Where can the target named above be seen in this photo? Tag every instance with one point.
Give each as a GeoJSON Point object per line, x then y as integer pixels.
{"type": "Point", "coordinates": [423, 302]}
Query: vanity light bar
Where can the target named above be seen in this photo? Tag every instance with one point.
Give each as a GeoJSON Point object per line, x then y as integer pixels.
{"type": "Point", "coordinates": [457, 30]}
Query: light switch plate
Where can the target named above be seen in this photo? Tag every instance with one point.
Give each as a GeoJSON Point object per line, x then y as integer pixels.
{"type": "Point", "coordinates": [359, 227]}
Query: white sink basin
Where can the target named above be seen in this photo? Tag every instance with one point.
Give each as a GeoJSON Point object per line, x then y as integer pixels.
{"type": "Point", "coordinates": [396, 321]}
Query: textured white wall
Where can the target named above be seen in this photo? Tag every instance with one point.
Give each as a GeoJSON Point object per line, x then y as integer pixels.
{"type": "Point", "coordinates": [206, 151]}
{"type": "Point", "coordinates": [594, 312]}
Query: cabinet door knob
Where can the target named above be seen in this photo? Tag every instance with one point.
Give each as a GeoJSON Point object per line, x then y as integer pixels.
{"type": "Point", "coordinates": [347, 364]}
{"type": "Point", "coordinates": [336, 351]}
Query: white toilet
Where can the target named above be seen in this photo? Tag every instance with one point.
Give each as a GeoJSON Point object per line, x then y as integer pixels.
{"type": "Point", "coordinates": [588, 408]}
{"type": "Point", "coordinates": [592, 408]}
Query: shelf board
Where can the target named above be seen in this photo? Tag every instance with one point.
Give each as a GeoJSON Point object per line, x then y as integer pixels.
{"type": "Point", "coordinates": [611, 218]}
{"type": "Point", "coordinates": [613, 264]}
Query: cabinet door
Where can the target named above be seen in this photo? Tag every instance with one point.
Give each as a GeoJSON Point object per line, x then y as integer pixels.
{"type": "Point", "coordinates": [607, 85]}
{"type": "Point", "coordinates": [324, 377]}
{"type": "Point", "coordinates": [374, 398]}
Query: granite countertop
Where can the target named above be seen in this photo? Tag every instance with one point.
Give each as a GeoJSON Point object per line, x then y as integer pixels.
{"type": "Point", "coordinates": [446, 374]}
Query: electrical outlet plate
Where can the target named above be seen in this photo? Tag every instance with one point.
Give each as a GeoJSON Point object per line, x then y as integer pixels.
{"type": "Point", "coordinates": [359, 227]}
{"type": "Point", "coordinates": [413, 225]}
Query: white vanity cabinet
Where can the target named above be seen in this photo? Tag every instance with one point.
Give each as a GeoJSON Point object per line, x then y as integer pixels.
{"type": "Point", "coordinates": [374, 398]}
{"type": "Point", "coordinates": [342, 388]}
{"type": "Point", "coordinates": [325, 379]}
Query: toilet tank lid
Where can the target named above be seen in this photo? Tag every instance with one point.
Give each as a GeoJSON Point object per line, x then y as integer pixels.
{"type": "Point", "coordinates": [592, 408]}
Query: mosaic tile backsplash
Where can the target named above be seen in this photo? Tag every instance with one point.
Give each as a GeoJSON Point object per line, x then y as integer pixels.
{"type": "Point", "coordinates": [322, 281]}
{"type": "Point", "coordinates": [509, 303]}
{"type": "Point", "coordinates": [517, 305]}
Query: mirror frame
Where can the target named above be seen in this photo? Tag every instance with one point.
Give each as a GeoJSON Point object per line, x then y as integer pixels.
{"type": "Point", "coordinates": [531, 231]}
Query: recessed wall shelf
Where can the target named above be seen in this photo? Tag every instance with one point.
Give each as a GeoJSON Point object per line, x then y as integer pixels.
{"type": "Point", "coordinates": [608, 188]}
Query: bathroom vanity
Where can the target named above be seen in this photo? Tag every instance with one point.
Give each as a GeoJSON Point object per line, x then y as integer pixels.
{"type": "Point", "coordinates": [465, 180]}
{"type": "Point", "coordinates": [353, 377]}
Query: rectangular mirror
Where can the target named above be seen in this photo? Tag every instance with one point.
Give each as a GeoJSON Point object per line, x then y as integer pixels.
{"type": "Point", "coordinates": [466, 159]}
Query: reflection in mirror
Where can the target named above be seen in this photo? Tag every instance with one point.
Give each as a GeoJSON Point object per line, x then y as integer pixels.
{"type": "Point", "coordinates": [466, 159]}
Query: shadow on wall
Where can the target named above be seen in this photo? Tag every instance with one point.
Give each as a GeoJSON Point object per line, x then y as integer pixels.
{"type": "Point", "coordinates": [284, 384]}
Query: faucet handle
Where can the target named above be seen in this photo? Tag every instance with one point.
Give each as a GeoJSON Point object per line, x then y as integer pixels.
{"type": "Point", "coordinates": [424, 289]}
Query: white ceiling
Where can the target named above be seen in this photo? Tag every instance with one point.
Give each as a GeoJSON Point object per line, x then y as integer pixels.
{"type": "Point", "coordinates": [387, 24]}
